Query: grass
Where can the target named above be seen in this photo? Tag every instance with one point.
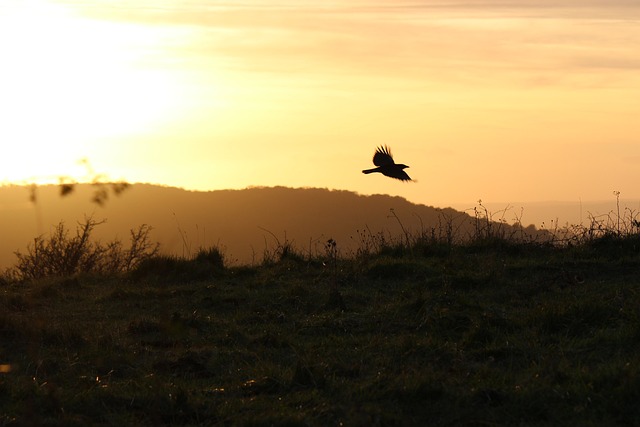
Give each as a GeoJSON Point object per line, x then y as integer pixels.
{"type": "Point", "coordinates": [500, 329]}
{"type": "Point", "coordinates": [488, 334]}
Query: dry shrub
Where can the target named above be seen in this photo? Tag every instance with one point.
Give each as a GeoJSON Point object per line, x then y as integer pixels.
{"type": "Point", "coordinates": [62, 254]}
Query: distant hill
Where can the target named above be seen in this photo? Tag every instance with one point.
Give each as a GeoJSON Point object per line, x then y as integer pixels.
{"type": "Point", "coordinates": [242, 222]}
{"type": "Point", "coordinates": [548, 214]}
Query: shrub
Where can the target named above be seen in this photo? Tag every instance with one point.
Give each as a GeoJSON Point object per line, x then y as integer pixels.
{"type": "Point", "coordinates": [63, 255]}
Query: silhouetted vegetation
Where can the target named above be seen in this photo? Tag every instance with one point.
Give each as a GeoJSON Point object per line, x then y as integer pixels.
{"type": "Point", "coordinates": [100, 183]}
{"type": "Point", "coordinates": [502, 329]}
{"type": "Point", "coordinates": [62, 255]}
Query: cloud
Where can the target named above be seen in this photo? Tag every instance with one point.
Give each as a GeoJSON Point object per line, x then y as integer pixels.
{"type": "Point", "coordinates": [612, 62]}
{"type": "Point", "coordinates": [468, 41]}
{"type": "Point", "coordinates": [207, 12]}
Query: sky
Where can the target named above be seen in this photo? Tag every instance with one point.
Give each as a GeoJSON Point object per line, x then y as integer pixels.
{"type": "Point", "coordinates": [493, 100]}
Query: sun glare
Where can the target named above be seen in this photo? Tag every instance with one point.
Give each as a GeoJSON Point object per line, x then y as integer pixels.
{"type": "Point", "coordinates": [68, 84]}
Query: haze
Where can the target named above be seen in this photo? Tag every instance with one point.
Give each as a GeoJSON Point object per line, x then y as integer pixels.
{"type": "Point", "coordinates": [504, 101]}
{"type": "Point", "coordinates": [242, 223]}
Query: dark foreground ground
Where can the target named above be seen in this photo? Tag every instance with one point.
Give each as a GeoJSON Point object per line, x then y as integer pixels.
{"type": "Point", "coordinates": [477, 337]}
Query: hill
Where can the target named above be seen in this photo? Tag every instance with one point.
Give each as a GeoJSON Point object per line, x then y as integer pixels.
{"type": "Point", "coordinates": [491, 333]}
{"type": "Point", "coordinates": [244, 223]}
{"type": "Point", "coordinates": [475, 336]}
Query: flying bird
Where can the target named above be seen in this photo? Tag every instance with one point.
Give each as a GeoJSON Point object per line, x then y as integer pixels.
{"type": "Point", "coordinates": [386, 166]}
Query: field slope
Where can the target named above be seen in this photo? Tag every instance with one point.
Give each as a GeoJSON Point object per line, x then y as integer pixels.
{"type": "Point", "coordinates": [444, 336]}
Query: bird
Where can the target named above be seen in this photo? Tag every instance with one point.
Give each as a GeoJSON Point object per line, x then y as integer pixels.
{"type": "Point", "coordinates": [386, 166]}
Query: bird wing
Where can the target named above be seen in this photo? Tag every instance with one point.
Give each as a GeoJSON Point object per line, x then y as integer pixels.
{"type": "Point", "coordinates": [383, 157]}
{"type": "Point", "coordinates": [398, 173]}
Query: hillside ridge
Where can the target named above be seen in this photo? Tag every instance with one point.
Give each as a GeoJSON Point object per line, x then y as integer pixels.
{"type": "Point", "coordinates": [244, 223]}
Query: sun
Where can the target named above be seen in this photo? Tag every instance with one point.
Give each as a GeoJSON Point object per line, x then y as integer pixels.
{"type": "Point", "coordinates": [68, 84]}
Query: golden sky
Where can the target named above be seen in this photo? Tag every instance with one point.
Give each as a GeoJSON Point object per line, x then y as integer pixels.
{"type": "Point", "coordinates": [499, 100]}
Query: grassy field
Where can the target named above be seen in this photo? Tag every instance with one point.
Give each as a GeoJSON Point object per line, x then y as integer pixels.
{"type": "Point", "coordinates": [477, 335]}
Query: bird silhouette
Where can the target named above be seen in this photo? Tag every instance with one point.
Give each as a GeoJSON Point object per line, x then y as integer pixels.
{"type": "Point", "coordinates": [386, 166]}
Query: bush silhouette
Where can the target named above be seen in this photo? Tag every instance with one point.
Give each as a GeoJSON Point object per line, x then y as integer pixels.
{"type": "Point", "coordinates": [62, 254]}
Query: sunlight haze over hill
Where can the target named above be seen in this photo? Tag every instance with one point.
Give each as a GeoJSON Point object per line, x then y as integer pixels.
{"type": "Point", "coordinates": [500, 101]}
